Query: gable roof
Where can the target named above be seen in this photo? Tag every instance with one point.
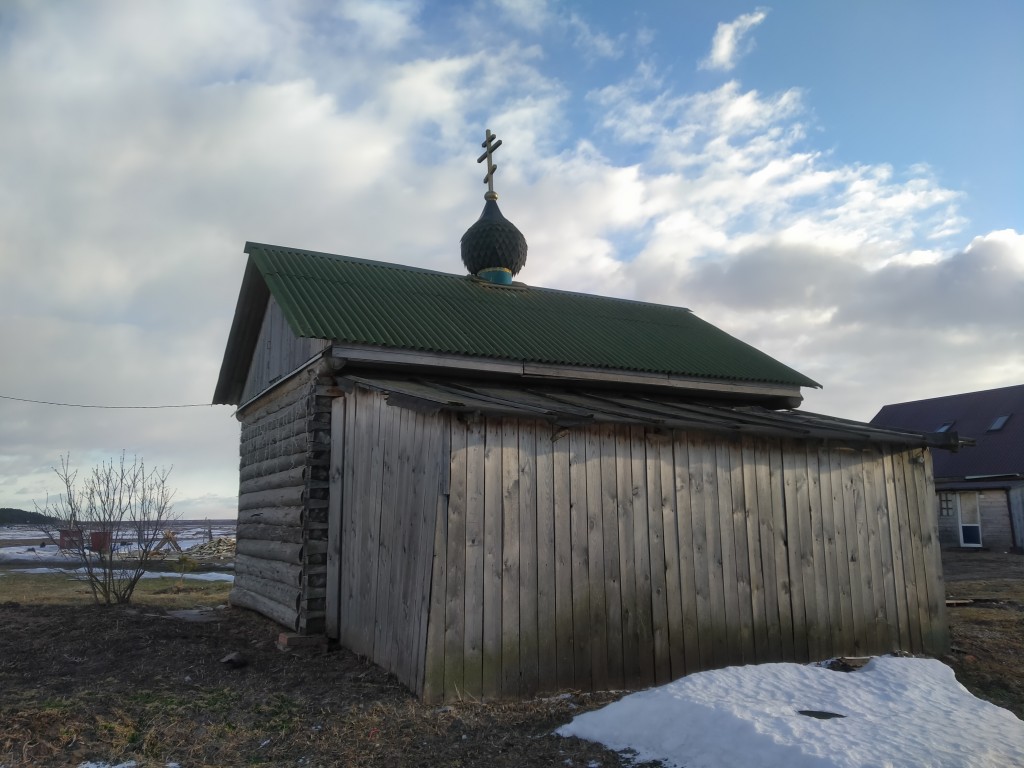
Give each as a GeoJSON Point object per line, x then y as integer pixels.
{"type": "Point", "coordinates": [356, 301]}
{"type": "Point", "coordinates": [996, 452]}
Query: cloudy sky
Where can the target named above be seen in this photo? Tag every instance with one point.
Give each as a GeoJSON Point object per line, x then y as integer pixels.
{"type": "Point", "coordinates": [839, 184]}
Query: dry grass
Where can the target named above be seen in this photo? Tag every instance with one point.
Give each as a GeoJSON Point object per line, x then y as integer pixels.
{"type": "Point", "coordinates": [988, 640]}
{"type": "Point", "coordinates": [168, 592]}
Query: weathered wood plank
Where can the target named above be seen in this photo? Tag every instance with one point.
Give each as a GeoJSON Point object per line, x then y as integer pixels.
{"type": "Point", "coordinates": [731, 629]}
{"type": "Point", "coordinates": [823, 621]}
{"type": "Point", "coordinates": [400, 652]}
{"type": "Point", "coordinates": [282, 614]}
{"type": "Point", "coordinates": [752, 542]}
{"type": "Point", "coordinates": [510, 571]}
{"type": "Point", "coordinates": [793, 482]}
{"type": "Point", "coordinates": [896, 552]}
{"type": "Point", "coordinates": [662, 450]}
{"type": "Point", "coordinates": [287, 478]}
{"type": "Point", "coordinates": [579, 525]}
{"type": "Point", "coordinates": [547, 569]}
{"type": "Point", "coordinates": [476, 470]}
{"type": "Point", "coordinates": [846, 636]}
{"type": "Point", "coordinates": [277, 497]}
{"type": "Point", "coordinates": [826, 507]}
{"type": "Point", "coordinates": [874, 503]}
{"type": "Point", "coordinates": [335, 496]}
{"type": "Point", "coordinates": [291, 534]}
{"type": "Point", "coordinates": [597, 557]}
{"type": "Point", "coordinates": [347, 615]}
{"type": "Point", "coordinates": [436, 492]}
{"type": "Point", "coordinates": [455, 597]}
{"type": "Point", "coordinates": [612, 564]}
{"type": "Point", "coordinates": [631, 466]}
{"type": "Point", "coordinates": [719, 628]}
{"type": "Point", "coordinates": [782, 544]}
{"type": "Point", "coordinates": [391, 505]}
{"type": "Point", "coordinates": [707, 639]}
{"type": "Point", "coordinates": [434, 676]}
{"type": "Point", "coordinates": [353, 618]}
{"type": "Point", "coordinates": [270, 550]}
{"type": "Point", "coordinates": [429, 676]}
{"type": "Point", "coordinates": [660, 639]}
{"type": "Point", "coordinates": [529, 645]}
{"type": "Point", "coordinates": [937, 639]}
{"type": "Point", "coordinates": [853, 503]}
{"type": "Point", "coordinates": [747, 646]}
{"type": "Point", "coordinates": [766, 540]}
{"type": "Point", "coordinates": [914, 504]}
{"type": "Point", "coordinates": [686, 512]}
{"type": "Point", "coordinates": [914, 588]}
{"type": "Point", "coordinates": [491, 662]}
{"type": "Point", "coordinates": [619, 444]}
{"type": "Point", "coordinates": [369, 504]}
{"type": "Point", "coordinates": [291, 516]}
{"type": "Point", "coordinates": [273, 465]}
{"type": "Point", "coordinates": [562, 512]}
{"type": "Point", "coordinates": [273, 570]}
{"type": "Point", "coordinates": [288, 595]}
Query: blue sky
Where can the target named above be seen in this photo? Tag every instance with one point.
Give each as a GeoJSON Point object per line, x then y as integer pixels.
{"type": "Point", "coordinates": [838, 184]}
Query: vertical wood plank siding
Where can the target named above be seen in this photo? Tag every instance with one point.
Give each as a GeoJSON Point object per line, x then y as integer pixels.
{"type": "Point", "coordinates": [395, 484]}
{"type": "Point", "coordinates": [609, 555]}
{"type": "Point", "coordinates": [278, 352]}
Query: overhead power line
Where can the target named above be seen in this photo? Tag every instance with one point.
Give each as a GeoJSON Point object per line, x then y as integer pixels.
{"type": "Point", "coordinates": [109, 407]}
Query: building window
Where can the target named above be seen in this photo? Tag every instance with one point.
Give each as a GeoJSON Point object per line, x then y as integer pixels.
{"type": "Point", "coordinates": [999, 423]}
{"type": "Point", "coordinates": [947, 504]}
{"type": "Point", "coordinates": [944, 427]}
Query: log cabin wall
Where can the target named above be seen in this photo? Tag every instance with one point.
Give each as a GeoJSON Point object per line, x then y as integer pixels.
{"type": "Point", "coordinates": [281, 560]}
{"type": "Point", "coordinates": [612, 557]}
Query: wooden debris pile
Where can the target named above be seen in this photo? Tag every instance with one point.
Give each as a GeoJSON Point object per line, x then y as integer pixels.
{"type": "Point", "coordinates": [221, 548]}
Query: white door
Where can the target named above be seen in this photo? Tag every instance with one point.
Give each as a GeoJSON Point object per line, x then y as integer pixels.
{"type": "Point", "coordinates": [970, 520]}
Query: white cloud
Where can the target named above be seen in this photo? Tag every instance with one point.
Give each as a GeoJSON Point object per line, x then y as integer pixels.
{"type": "Point", "coordinates": [151, 144]}
{"type": "Point", "coordinates": [592, 43]}
{"type": "Point", "coordinates": [730, 41]}
{"type": "Point", "coordinates": [381, 24]}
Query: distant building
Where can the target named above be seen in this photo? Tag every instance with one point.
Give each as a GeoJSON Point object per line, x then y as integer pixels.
{"type": "Point", "coordinates": [980, 501]}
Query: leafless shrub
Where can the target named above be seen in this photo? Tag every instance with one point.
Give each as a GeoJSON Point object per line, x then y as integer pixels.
{"type": "Point", "coordinates": [111, 521]}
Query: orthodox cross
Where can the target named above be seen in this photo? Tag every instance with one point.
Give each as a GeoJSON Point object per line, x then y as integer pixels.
{"type": "Point", "coordinates": [490, 146]}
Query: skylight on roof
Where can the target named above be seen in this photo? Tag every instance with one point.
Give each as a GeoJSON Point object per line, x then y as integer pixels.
{"type": "Point", "coordinates": [999, 423]}
{"type": "Point", "coordinates": [944, 427]}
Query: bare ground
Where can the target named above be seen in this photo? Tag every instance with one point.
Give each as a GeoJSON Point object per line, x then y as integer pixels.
{"type": "Point", "coordinates": [83, 682]}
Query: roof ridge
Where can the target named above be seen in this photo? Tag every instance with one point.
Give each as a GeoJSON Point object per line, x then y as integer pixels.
{"type": "Point", "coordinates": [249, 246]}
{"type": "Point", "coordinates": [973, 393]}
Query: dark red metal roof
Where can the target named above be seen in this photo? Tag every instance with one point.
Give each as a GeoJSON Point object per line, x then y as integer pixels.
{"type": "Point", "coordinates": [997, 452]}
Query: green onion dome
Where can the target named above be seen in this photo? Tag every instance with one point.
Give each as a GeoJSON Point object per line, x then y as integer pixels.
{"type": "Point", "coordinates": [493, 242]}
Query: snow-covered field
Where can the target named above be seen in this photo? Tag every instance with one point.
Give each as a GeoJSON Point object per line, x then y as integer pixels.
{"type": "Point", "coordinates": [43, 557]}
{"type": "Point", "coordinates": [79, 573]}
{"type": "Point", "coordinates": [189, 532]}
{"type": "Point", "coordinates": [895, 713]}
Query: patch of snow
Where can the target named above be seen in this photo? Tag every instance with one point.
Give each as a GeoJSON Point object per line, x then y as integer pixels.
{"type": "Point", "coordinates": [898, 712]}
{"type": "Point", "coordinates": [50, 554]}
{"type": "Point", "coordinates": [79, 573]}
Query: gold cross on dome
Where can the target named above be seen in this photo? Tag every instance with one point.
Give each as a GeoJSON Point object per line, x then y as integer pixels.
{"type": "Point", "coordinates": [490, 147]}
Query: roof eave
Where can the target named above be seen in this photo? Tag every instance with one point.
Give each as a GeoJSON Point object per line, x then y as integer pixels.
{"type": "Point", "coordinates": [777, 395]}
{"type": "Point", "coordinates": [245, 330]}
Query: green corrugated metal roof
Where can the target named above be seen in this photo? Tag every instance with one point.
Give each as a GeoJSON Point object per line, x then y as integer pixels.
{"type": "Point", "coordinates": [366, 302]}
